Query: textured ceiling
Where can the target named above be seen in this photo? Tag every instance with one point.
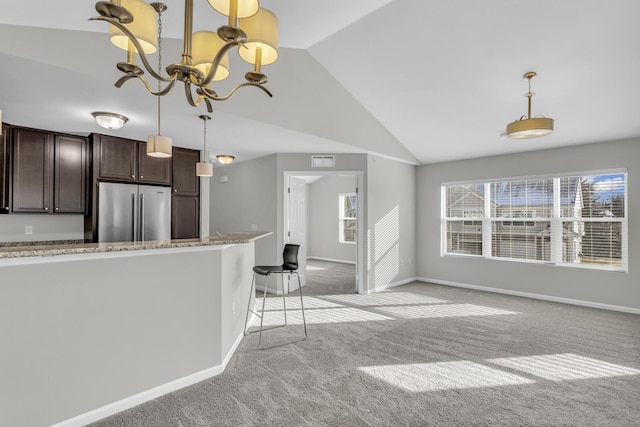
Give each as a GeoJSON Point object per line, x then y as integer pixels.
{"type": "Point", "coordinates": [418, 81]}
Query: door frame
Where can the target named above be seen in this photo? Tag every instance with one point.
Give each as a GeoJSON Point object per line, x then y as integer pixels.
{"type": "Point", "coordinates": [360, 213]}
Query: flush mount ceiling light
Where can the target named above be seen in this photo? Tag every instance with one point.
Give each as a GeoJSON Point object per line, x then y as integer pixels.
{"type": "Point", "coordinates": [225, 159]}
{"type": "Point", "coordinates": [109, 120]}
{"type": "Point", "coordinates": [527, 126]}
{"type": "Point", "coordinates": [204, 168]}
{"type": "Point", "coordinates": [133, 27]}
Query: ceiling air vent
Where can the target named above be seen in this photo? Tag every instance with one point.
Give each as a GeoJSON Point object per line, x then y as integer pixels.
{"type": "Point", "coordinates": [323, 161]}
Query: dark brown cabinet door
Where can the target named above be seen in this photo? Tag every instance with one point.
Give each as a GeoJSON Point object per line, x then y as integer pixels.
{"type": "Point", "coordinates": [5, 167]}
{"type": "Point", "coordinates": [185, 217]}
{"type": "Point", "coordinates": [116, 159]}
{"type": "Point", "coordinates": [32, 170]}
{"type": "Point", "coordinates": [185, 182]}
{"type": "Point", "coordinates": [70, 168]}
{"type": "Point", "coordinates": [153, 170]}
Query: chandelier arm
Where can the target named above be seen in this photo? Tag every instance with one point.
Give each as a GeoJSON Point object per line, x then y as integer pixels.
{"type": "Point", "coordinates": [137, 45]}
{"type": "Point", "coordinates": [227, 96]}
{"type": "Point", "coordinates": [189, 95]}
{"type": "Point", "coordinates": [209, 107]}
{"type": "Point", "coordinates": [215, 63]}
{"type": "Point", "coordinates": [162, 92]}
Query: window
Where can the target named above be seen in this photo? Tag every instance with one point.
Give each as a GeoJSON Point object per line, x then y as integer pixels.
{"type": "Point", "coordinates": [577, 220]}
{"type": "Point", "coordinates": [347, 207]}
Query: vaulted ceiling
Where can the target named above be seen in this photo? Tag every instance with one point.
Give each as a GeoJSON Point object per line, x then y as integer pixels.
{"type": "Point", "coordinates": [418, 81]}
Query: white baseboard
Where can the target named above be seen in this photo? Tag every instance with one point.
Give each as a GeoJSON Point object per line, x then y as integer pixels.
{"type": "Point", "coordinates": [534, 296]}
{"type": "Point", "coordinates": [147, 395]}
{"type": "Point", "coordinates": [391, 285]}
{"type": "Point", "coordinates": [341, 261]}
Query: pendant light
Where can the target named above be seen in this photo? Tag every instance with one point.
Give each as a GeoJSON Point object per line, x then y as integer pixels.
{"type": "Point", "coordinates": [529, 127]}
{"type": "Point", "coordinates": [204, 168]}
{"type": "Point", "coordinates": [159, 145]}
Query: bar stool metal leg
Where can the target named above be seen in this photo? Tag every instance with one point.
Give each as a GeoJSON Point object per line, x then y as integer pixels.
{"type": "Point", "coordinates": [304, 321]}
{"type": "Point", "coordinates": [251, 295]}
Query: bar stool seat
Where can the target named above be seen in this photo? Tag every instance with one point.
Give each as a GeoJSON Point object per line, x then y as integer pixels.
{"type": "Point", "coordinates": [289, 267]}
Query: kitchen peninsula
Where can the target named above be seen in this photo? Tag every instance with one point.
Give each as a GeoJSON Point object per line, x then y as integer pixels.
{"type": "Point", "coordinates": [92, 329]}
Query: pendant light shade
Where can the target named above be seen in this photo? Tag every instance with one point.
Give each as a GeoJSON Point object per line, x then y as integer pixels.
{"type": "Point", "coordinates": [206, 45]}
{"type": "Point", "coordinates": [159, 146]}
{"type": "Point", "coordinates": [143, 27]}
{"type": "Point", "coordinates": [529, 127]}
{"type": "Point", "coordinates": [204, 169]}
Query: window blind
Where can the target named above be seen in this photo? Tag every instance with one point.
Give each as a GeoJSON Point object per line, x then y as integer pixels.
{"type": "Point", "coordinates": [575, 220]}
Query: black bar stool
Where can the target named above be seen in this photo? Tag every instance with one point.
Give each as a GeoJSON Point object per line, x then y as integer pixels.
{"type": "Point", "coordinates": [290, 267]}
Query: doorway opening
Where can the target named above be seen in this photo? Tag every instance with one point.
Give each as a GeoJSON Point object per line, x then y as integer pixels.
{"type": "Point", "coordinates": [323, 212]}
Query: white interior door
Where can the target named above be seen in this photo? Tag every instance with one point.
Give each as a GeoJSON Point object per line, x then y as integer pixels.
{"type": "Point", "coordinates": [297, 226]}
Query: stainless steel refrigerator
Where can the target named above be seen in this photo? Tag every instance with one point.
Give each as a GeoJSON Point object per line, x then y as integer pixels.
{"type": "Point", "coordinates": [133, 213]}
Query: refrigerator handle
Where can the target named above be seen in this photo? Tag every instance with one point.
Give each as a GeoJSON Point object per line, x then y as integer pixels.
{"type": "Point", "coordinates": [133, 217]}
{"type": "Point", "coordinates": [142, 217]}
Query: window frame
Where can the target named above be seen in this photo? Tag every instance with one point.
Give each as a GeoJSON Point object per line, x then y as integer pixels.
{"type": "Point", "coordinates": [342, 219]}
{"type": "Point", "coordinates": [555, 222]}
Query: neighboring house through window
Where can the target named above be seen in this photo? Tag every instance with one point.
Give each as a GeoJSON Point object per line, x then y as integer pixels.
{"type": "Point", "coordinates": [347, 207]}
{"type": "Point", "coordinates": [577, 220]}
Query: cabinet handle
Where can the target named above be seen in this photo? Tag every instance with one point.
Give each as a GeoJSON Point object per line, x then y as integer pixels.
{"type": "Point", "coordinates": [133, 176]}
{"type": "Point", "coordinates": [57, 209]}
{"type": "Point", "coordinates": [46, 208]}
{"type": "Point", "coordinates": [141, 177]}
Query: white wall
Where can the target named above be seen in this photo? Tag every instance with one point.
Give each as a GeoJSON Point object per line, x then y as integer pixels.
{"type": "Point", "coordinates": [248, 197]}
{"type": "Point", "coordinates": [45, 227]}
{"type": "Point", "coordinates": [323, 226]}
{"type": "Point", "coordinates": [391, 213]}
{"type": "Point", "coordinates": [594, 286]}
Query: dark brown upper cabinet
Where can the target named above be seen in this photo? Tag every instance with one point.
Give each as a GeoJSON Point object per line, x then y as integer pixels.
{"type": "Point", "coordinates": [185, 202]}
{"type": "Point", "coordinates": [153, 170]}
{"type": "Point", "coordinates": [71, 174]}
{"type": "Point", "coordinates": [49, 172]}
{"type": "Point", "coordinates": [5, 168]}
{"type": "Point", "coordinates": [185, 181]}
{"type": "Point", "coordinates": [126, 160]}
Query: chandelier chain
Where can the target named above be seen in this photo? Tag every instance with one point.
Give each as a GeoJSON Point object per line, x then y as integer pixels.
{"type": "Point", "coordinates": [159, 61]}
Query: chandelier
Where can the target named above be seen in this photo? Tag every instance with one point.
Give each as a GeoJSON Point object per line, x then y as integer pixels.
{"type": "Point", "coordinates": [526, 126]}
{"type": "Point", "coordinates": [134, 28]}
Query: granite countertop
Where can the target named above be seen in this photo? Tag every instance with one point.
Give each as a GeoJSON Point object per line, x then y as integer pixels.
{"type": "Point", "coordinates": [55, 248]}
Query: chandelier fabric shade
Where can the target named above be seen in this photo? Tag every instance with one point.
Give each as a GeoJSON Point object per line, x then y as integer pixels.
{"type": "Point", "coordinates": [529, 127]}
{"type": "Point", "coordinates": [143, 27]}
{"type": "Point", "coordinates": [206, 44]}
{"type": "Point", "coordinates": [261, 47]}
{"type": "Point", "coordinates": [237, 8]}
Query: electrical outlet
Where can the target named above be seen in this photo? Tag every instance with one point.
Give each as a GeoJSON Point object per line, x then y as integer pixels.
{"type": "Point", "coordinates": [28, 229]}
{"type": "Point", "coordinates": [233, 308]}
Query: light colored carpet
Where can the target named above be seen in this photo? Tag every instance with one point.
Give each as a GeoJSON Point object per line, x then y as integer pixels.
{"type": "Point", "coordinates": [421, 355]}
